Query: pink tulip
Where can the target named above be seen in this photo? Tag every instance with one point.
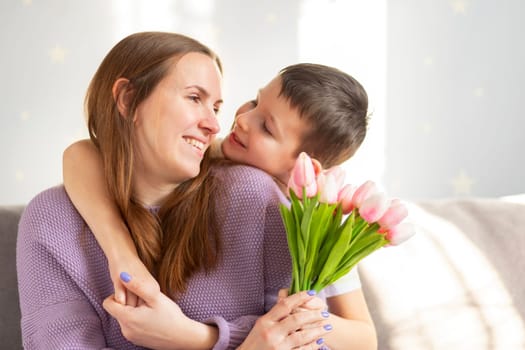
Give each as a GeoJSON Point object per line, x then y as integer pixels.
{"type": "Point", "coordinates": [374, 207]}
{"type": "Point", "coordinates": [400, 233]}
{"type": "Point", "coordinates": [303, 176]}
{"type": "Point", "coordinates": [339, 174]}
{"type": "Point", "coordinates": [345, 198]}
{"type": "Point", "coordinates": [364, 191]}
{"type": "Point", "coordinates": [327, 187]}
{"type": "Point", "coordinates": [395, 213]}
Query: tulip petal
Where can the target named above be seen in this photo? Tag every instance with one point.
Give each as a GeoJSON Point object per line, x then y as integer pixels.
{"type": "Point", "coordinates": [327, 187]}
{"type": "Point", "coordinates": [345, 198]}
{"type": "Point", "coordinates": [364, 191]}
{"type": "Point", "coordinates": [303, 171]}
{"type": "Point", "coordinates": [395, 213]}
{"type": "Point", "coordinates": [292, 186]}
{"type": "Point", "coordinates": [400, 233]}
{"type": "Point", "coordinates": [339, 175]}
{"type": "Point", "coordinates": [303, 176]}
{"type": "Point", "coordinates": [374, 207]}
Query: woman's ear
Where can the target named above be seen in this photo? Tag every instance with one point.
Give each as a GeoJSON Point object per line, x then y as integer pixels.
{"type": "Point", "coordinates": [122, 94]}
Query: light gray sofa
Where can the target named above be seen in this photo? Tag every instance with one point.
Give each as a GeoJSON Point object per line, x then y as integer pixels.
{"type": "Point", "coordinates": [457, 284]}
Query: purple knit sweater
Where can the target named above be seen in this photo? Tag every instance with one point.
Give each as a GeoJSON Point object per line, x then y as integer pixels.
{"type": "Point", "coordinates": [63, 274]}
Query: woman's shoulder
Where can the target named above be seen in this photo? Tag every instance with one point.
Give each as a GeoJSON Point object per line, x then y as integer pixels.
{"type": "Point", "coordinates": [248, 180]}
{"type": "Point", "coordinates": [229, 169]}
{"type": "Point", "coordinates": [48, 211]}
{"type": "Point", "coordinates": [51, 200]}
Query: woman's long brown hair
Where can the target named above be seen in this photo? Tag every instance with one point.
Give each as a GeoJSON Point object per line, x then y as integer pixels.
{"type": "Point", "coordinates": [186, 217]}
{"type": "Point", "coordinates": [173, 242]}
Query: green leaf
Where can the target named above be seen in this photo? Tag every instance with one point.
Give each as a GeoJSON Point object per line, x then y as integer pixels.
{"type": "Point", "coordinates": [322, 220]}
{"type": "Point", "coordinates": [330, 240]}
{"type": "Point", "coordinates": [291, 236]}
{"type": "Point", "coordinates": [334, 258]}
{"type": "Point", "coordinates": [364, 247]}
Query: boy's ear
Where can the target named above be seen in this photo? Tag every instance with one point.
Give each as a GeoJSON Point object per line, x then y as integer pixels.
{"type": "Point", "coordinates": [122, 94]}
{"type": "Point", "coordinates": [317, 166]}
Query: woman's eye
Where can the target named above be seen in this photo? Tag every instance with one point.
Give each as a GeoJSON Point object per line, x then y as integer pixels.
{"type": "Point", "coordinates": [254, 103]}
{"type": "Point", "coordinates": [194, 98]}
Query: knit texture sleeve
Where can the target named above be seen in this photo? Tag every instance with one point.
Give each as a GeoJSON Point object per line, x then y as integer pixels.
{"type": "Point", "coordinates": [249, 200]}
{"type": "Point", "coordinates": [55, 312]}
{"type": "Point", "coordinates": [232, 333]}
{"type": "Point", "coordinates": [277, 259]}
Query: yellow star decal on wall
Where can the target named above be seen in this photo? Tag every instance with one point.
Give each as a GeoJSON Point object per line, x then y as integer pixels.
{"type": "Point", "coordinates": [479, 92]}
{"type": "Point", "coordinates": [463, 183]}
{"type": "Point", "coordinates": [428, 60]}
{"type": "Point", "coordinates": [58, 54]}
{"type": "Point", "coordinates": [459, 6]}
{"type": "Point", "coordinates": [271, 17]}
{"type": "Point", "coordinates": [24, 115]}
{"type": "Point", "coordinates": [19, 175]}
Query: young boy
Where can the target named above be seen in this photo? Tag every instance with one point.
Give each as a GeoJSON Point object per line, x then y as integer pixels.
{"type": "Point", "coordinates": [307, 107]}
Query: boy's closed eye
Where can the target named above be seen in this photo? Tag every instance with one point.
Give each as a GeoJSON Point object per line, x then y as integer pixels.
{"type": "Point", "coordinates": [266, 129]}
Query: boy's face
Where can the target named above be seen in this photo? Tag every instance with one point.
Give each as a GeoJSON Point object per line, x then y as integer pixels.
{"type": "Point", "coordinates": [266, 134]}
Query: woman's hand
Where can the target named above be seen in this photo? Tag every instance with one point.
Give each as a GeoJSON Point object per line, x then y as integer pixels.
{"type": "Point", "coordinates": [297, 321]}
{"type": "Point", "coordinates": [157, 322]}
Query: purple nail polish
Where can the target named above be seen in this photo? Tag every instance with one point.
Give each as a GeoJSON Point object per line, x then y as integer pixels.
{"type": "Point", "coordinates": [320, 341]}
{"type": "Point", "coordinates": [325, 314]}
{"type": "Point", "coordinates": [126, 277]}
{"type": "Point", "coordinates": [328, 327]}
{"type": "Point", "coordinates": [311, 292]}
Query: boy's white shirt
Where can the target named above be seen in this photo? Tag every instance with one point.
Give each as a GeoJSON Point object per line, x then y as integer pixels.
{"type": "Point", "coordinates": [345, 284]}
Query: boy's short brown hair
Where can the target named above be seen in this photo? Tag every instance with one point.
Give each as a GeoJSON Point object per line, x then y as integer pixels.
{"type": "Point", "coordinates": [334, 106]}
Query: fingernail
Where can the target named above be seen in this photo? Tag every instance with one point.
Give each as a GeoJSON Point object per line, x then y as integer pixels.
{"type": "Point", "coordinates": [328, 327]}
{"type": "Point", "coordinates": [311, 292]}
{"type": "Point", "coordinates": [325, 314]}
{"type": "Point", "coordinates": [126, 277]}
{"type": "Point", "coordinates": [320, 341]}
{"type": "Point", "coordinates": [323, 348]}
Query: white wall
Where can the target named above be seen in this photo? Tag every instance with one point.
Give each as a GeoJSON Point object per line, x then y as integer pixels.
{"type": "Point", "coordinates": [444, 79]}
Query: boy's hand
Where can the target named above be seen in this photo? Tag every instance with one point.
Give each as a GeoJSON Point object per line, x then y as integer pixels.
{"type": "Point", "coordinates": [133, 267]}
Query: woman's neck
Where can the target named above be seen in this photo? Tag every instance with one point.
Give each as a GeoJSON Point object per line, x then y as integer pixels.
{"type": "Point", "coordinates": [151, 194]}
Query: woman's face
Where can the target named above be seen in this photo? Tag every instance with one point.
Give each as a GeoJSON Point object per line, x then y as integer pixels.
{"type": "Point", "coordinates": [175, 125]}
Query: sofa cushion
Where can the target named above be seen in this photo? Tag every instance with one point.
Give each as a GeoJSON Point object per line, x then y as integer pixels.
{"type": "Point", "coordinates": [10, 337]}
{"type": "Point", "coordinates": [455, 285]}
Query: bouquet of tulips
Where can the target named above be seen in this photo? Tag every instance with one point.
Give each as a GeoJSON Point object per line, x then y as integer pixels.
{"type": "Point", "coordinates": [330, 226]}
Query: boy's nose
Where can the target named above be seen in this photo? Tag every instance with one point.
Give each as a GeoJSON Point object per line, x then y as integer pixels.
{"type": "Point", "coordinates": [241, 121]}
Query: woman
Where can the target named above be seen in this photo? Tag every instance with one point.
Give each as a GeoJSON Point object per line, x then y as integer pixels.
{"type": "Point", "coordinates": [151, 110]}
